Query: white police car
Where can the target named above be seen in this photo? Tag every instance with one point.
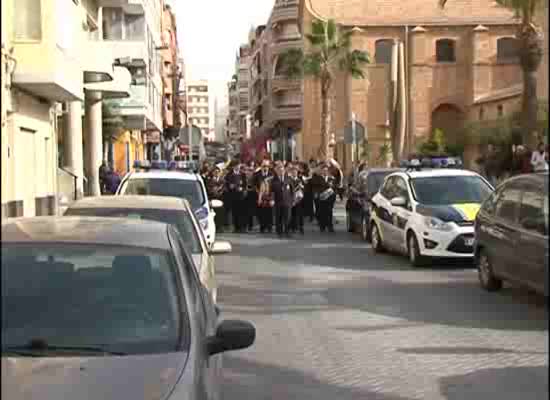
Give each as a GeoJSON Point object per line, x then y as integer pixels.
{"type": "Point", "coordinates": [157, 181]}
{"type": "Point", "coordinates": [428, 213]}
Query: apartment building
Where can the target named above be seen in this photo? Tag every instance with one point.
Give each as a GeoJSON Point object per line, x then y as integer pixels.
{"type": "Point", "coordinates": [234, 137]}
{"type": "Point", "coordinates": [198, 106]}
{"type": "Point", "coordinates": [53, 78]}
{"type": "Point", "coordinates": [130, 35]}
{"type": "Point", "coordinates": [456, 67]}
{"type": "Point", "coordinates": [276, 100]}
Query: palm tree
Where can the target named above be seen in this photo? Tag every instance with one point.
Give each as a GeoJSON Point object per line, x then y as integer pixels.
{"type": "Point", "coordinates": [329, 52]}
{"type": "Point", "coordinates": [530, 56]}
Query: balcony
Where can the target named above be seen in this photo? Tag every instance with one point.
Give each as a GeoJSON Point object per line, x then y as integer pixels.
{"type": "Point", "coordinates": [281, 47]}
{"type": "Point", "coordinates": [281, 83]}
{"type": "Point", "coordinates": [287, 114]}
{"type": "Point", "coordinates": [287, 12]}
{"type": "Point", "coordinates": [134, 109]}
{"type": "Point", "coordinates": [118, 88]}
{"type": "Point", "coordinates": [130, 6]}
{"type": "Point", "coordinates": [48, 56]}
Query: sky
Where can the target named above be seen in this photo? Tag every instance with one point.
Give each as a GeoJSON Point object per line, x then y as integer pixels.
{"type": "Point", "coordinates": [210, 32]}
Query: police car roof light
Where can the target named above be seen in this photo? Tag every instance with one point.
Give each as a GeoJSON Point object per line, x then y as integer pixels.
{"type": "Point", "coordinates": [159, 164]}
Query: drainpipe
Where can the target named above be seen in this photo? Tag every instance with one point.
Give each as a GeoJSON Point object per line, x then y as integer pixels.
{"type": "Point", "coordinates": [407, 93]}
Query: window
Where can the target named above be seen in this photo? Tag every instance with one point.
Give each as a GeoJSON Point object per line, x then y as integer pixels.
{"type": "Point", "coordinates": [508, 203]}
{"type": "Point", "coordinates": [507, 49]}
{"type": "Point", "coordinates": [531, 214]}
{"type": "Point", "coordinates": [500, 110]}
{"type": "Point", "coordinates": [389, 188]}
{"type": "Point", "coordinates": [110, 287]}
{"type": "Point", "coordinates": [383, 51]}
{"type": "Point", "coordinates": [481, 113]}
{"type": "Point", "coordinates": [489, 206]}
{"type": "Point", "coordinates": [27, 24]}
{"type": "Point", "coordinates": [190, 190]}
{"type": "Point", "coordinates": [445, 50]}
{"type": "Point", "coordinates": [112, 23]}
{"type": "Point", "coordinates": [401, 188]}
{"type": "Point", "coordinates": [447, 190]}
{"type": "Point", "coordinates": [167, 102]}
{"type": "Point", "coordinates": [134, 26]}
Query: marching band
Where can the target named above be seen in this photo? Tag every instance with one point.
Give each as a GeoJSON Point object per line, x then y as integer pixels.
{"type": "Point", "coordinates": [279, 195]}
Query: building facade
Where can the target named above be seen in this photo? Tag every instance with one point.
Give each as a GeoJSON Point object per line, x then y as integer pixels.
{"type": "Point", "coordinates": [453, 62]}
{"type": "Point", "coordinates": [130, 36]}
{"type": "Point", "coordinates": [198, 106]}
{"type": "Point", "coordinates": [54, 77]}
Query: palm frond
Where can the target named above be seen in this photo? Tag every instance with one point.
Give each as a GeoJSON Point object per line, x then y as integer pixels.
{"type": "Point", "coordinates": [292, 63]}
{"type": "Point", "coordinates": [315, 40]}
{"type": "Point", "coordinates": [313, 64]}
{"type": "Point", "coordinates": [353, 62]}
{"type": "Point", "coordinates": [331, 31]}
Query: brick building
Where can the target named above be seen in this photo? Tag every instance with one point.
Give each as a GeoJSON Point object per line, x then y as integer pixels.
{"type": "Point", "coordinates": [459, 65]}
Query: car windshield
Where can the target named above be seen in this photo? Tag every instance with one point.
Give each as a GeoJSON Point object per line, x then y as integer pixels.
{"type": "Point", "coordinates": [445, 190]}
{"type": "Point", "coordinates": [186, 189]}
{"type": "Point", "coordinates": [120, 299]}
{"type": "Point", "coordinates": [179, 218]}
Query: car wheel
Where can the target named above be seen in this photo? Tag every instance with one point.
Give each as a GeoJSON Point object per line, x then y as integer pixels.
{"type": "Point", "coordinates": [376, 240]}
{"type": "Point", "coordinates": [349, 224]}
{"type": "Point", "coordinates": [487, 278]}
{"type": "Point", "coordinates": [413, 250]}
{"type": "Point", "coordinates": [365, 231]}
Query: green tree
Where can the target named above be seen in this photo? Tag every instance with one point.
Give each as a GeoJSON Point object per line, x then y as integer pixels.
{"type": "Point", "coordinates": [530, 55]}
{"type": "Point", "coordinates": [330, 51]}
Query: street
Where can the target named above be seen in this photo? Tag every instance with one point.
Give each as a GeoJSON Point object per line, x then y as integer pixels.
{"type": "Point", "coordinates": [336, 321]}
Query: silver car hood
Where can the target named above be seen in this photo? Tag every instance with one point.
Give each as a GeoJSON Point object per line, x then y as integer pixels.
{"type": "Point", "coordinates": [147, 377]}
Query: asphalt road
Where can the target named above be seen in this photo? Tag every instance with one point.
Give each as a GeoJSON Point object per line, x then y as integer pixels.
{"type": "Point", "coordinates": [336, 321]}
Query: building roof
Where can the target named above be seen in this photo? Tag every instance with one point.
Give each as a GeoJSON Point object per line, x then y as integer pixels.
{"type": "Point", "coordinates": [511, 91]}
{"type": "Point", "coordinates": [409, 12]}
{"type": "Point", "coordinates": [87, 230]}
{"type": "Point", "coordinates": [132, 201]}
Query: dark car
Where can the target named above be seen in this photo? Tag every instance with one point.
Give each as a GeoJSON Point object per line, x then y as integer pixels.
{"type": "Point", "coordinates": [511, 234]}
{"type": "Point", "coordinates": [107, 308]}
{"type": "Point", "coordinates": [365, 186]}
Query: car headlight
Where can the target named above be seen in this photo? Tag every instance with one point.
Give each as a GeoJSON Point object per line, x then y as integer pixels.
{"type": "Point", "coordinates": [437, 224]}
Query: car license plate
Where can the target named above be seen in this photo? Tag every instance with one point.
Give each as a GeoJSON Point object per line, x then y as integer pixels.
{"type": "Point", "coordinates": [469, 242]}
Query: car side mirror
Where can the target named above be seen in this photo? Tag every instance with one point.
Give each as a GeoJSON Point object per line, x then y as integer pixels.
{"type": "Point", "coordinates": [216, 203]}
{"type": "Point", "coordinates": [221, 248]}
{"type": "Point", "coordinates": [231, 335]}
{"type": "Point", "coordinates": [398, 202]}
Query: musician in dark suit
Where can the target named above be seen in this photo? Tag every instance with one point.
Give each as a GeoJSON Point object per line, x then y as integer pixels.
{"type": "Point", "coordinates": [215, 186]}
{"type": "Point", "coordinates": [235, 184]}
{"type": "Point", "coordinates": [327, 198]}
{"type": "Point", "coordinates": [250, 200]}
{"type": "Point", "coordinates": [264, 210]}
{"type": "Point", "coordinates": [297, 214]}
{"type": "Point", "coordinates": [283, 197]}
{"type": "Point", "coordinates": [316, 183]}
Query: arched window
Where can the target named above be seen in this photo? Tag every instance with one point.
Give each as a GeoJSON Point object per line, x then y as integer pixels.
{"type": "Point", "coordinates": [445, 50]}
{"type": "Point", "coordinates": [507, 49]}
{"type": "Point", "coordinates": [383, 51]}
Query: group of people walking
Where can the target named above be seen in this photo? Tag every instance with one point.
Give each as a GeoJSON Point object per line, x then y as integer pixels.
{"type": "Point", "coordinates": [277, 194]}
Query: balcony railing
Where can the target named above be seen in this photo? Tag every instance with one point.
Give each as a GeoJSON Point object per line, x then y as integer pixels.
{"type": "Point", "coordinates": [137, 100]}
{"type": "Point", "coordinates": [281, 47]}
{"type": "Point", "coordinates": [280, 83]}
{"type": "Point", "coordinates": [285, 12]}
{"type": "Point", "coordinates": [287, 113]}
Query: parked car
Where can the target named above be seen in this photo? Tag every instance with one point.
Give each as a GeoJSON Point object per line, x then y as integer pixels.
{"type": "Point", "coordinates": [187, 185]}
{"type": "Point", "coordinates": [358, 205]}
{"type": "Point", "coordinates": [428, 213]}
{"type": "Point", "coordinates": [170, 210]}
{"type": "Point", "coordinates": [511, 234]}
{"type": "Point", "coordinates": [107, 308]}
